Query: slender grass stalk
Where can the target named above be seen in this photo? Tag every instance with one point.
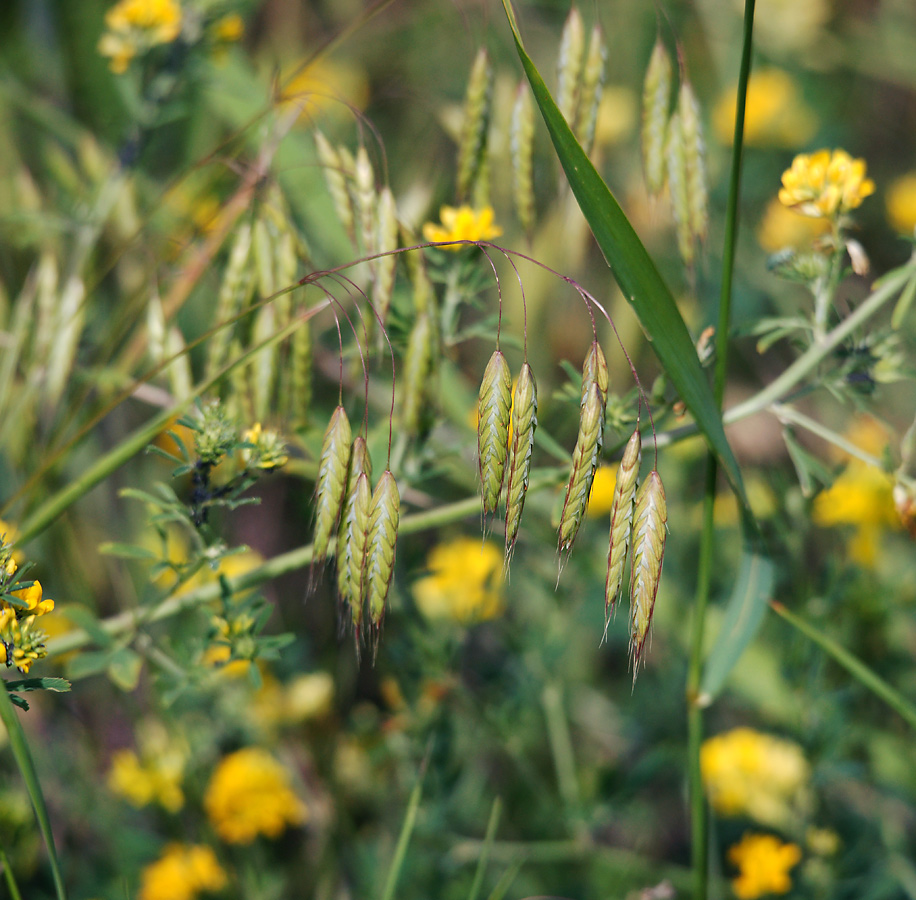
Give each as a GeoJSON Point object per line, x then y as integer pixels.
{"type": "Point", "coordinates": [493, 823]}
{"type": "Point", "coordinates": [8, 877]}
{"type": "Point", "coordinates": [699, 823]}
{"type": "Point", "coordinates": [867, 677]}
{"type": "Point", "coordinates": [24, 762]}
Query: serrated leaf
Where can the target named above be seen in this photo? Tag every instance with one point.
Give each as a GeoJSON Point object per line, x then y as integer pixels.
{"type": "Point", "coordinates": [743, 617]}
{"type": "Point", "coordinates": [126, 551]}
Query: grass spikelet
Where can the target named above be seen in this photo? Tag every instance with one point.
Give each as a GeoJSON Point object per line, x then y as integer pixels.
{"type": "Point", "coordinates": [384, 513]}
{"type": "Point", "coordinates": [656, 102]}
{"type": "Point", "coordinates": [333, 464]}
{"type": "Point", "coordinates": [621, 520]}
{"type": "Point", "coordinates": [335, 176]}
{"type": "Point", "coordinates": [386, 241]}
{"type": "Point", "coordinates": [592, 85]}
{"type": "Point", "coordinates": [585, 461]}
{"type": "Point", "coordinates": [594, 372]}
{"type": "Point", "coordinates": [262, 245]}
{"type": "Point", "coordinates": [524, 421]}
{"type": "Point", "coordinates": [264, 363]}
{"type": "Point", "coordinates": [649, 519]}
{"type": "Point", "coordinates": [300, 376]}
{"type": "Point", "coordinates": [676, 164]}
{"type": "Point", "coordinates": [234, 292]}
{"type": "Point", "coordinates": [522, 145]}
{"type": "Point", "coordinates": [364, 189]}
{"type": "Point", "coordinates": [353, 535]}
{"type": "Point", "coordinates": [418, 363]}
{"type": "Point", "coordinates": [569, 65]}
{"type": "Point", "coordinates": [493, 406]}
{"type": "Point", "coordinates": [695, 161]}
{"type": "Point", "coordinates": [477, 103]}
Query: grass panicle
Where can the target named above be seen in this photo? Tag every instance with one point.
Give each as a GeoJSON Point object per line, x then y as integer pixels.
{"type": "Point", "coordinates": [524, 421]}
{"type": "Point", "coordinates": [592, 86]}
{"type": "Point", "coordinates": [656, 104]}
{"type": "Point", "coordinates": [569, 65]}
{"type": "Point", "coordinates": [649, 532]}
{"type": "Point", "coordinates": [418, 364]}
{"type": "Point", "coordinates": [353, 535]}
{"type": "Point", "coordinates": [335, 176]}
{"type": "Point", "coordinates": [695, 162]}
{"type": "Point", "coordinates": [477, 102]}
{"type": "Point", "coordinates": [384, 513]}
{"type": "Point", "coordinates": [333, 465]}
{"type": "Point", "coordinates": [522, 147]}
{"type": "Point", "coordinates": [300, 376]}
{"type": "Point", "coordinates": [594, 372]}
{"type": "Point", "coordinates": [622, 509]}
{"type": "Point", "coordinates": [676, 167]}
{"type": "Point", "coordinates": [234, 293]}
{"type": "Point", "coordinates": [493, 406]}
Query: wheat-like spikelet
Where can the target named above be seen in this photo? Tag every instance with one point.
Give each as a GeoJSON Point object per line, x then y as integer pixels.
{"type": "Point", "coordinates": [366, 200]}
{"type": "Point", "coordinates": [594, 372]}
{"type": "Point", "coordinates": [335, 176]}
{"type": "Point", "coordinates": [264, 363]}
{"type": "Point", "coordinates": [418, 363]}
{"type": "Point", "coordinates": [621, 520]}
{"type": "Point", "coordinates": [477, 101]}
{"type": "Point", "coordinates": [569, 65]}
{"type": "Point", "coordinates": [522, 145]}
{"type": "Point", "coordinates": [676, 165]}
{"type": "Point", "coordinates": [649, 520]}
{"type": "Point", "coordinates": [386, 241]}
{"type": "Point", "coordinates": [331, 483]}
{"type": "Point", "coordinates": [234, 292]}
{"type": "Point", "coordinates": [656, 103]}
{"type": "Point", "coordinates": [384, 513]}
{"type": "Point", "coordinates": [239, 400]}
{"type": "Point", "coordinates": [353, 534]}
{"type": "Point", "coordinates": [300, 376]}
{"type": "Point", "coordinates": [592, 85]}
{"type": "Point", "coordinates": [524, 421]}
{"type": "Point", "coordinates": [493, 405]}
{"type": "Point", "coordinates": [262, 251]}
{"type": "Point", "coordinates": [695, 161]}
{"type": "Point", "coordinates": [584, 463]}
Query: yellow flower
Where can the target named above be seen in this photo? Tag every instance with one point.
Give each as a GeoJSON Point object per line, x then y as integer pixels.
{"type": "Point", "coordinates": [135, 26]}
{"type": "Point", "coordinates": [900, 202]}
{"type": "Point", "coordinates": [462, 224]}
{"type": "Point", "coordinates": [749, 773]}
{"type": "Point", "coordinates": [763, 862]}
{"type": "Point", "coordinates": [229, 28]}
{"type": "Point", "coordinates": [601, 498]}
{"type": "Point", "coordinates": [157, 781]}
{"type": "Point", "coordinates": [325, 86]}
{"type": "Point", "coordinates": [182, 873]}
{"type": "Point", "coordinates": [249, 794]}
{"type": "Point", "coordinates": [464, 584]}
{"type": "Point", "coordinates": [32, 597]}
{"type": "Point", "coordinates": [775, 114]}
{"type": "Point", "coordinates": [825, 184]}
{"type": "Point", "coordinates": [780, 227]}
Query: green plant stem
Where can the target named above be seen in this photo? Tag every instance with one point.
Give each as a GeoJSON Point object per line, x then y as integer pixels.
{"type": "Point", "coordinates": [484, 858]}
{"type": "Point", "coordinates": [562, 749]}
{"type": "Point", "coordinates": [8, 877]}
{"type": "Point", "coordinates": [852, 664]}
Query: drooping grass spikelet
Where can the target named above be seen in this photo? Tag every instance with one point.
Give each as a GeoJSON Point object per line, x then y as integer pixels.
{"type": "Point", "coordinates": [522, 144]}
{"type": "Point", "coordinates": [331, 483]}
{"type": "Point", "coordinates": [569, 65]}
{"type": "Point", "coordinates": [493, 406]}
{"type": "Point", "coordinates": [335, 175]}
{"type": "Point", "coordinates": [234, 292]}
{"type": "Point", "coordinates": [590, 92]}
{"type": "Point", "coordinates": [649, 519]}
{"type": "Point", "coordinates": [300, 380]}
{"type": "Point", "coordinates": [695, 161]}
{"type": "Point", "coordinates": [594, 372]}
{"type": "Point", "coordinates": [621, 520]}
{"type": "Point", "coordinates": [676, 164]}
{"type": "Point", "coordinates": [384, 513]}
{"type": "Point", "coordinates": [656, 102]}
{"type": "Point", "coordinates": [385, 266]}
{"type": "Point", "coordinates": [418, 363]}
{"type": "Point", "coordinates": [262, 245]}
{"type": "Point", "coordinates": [264, 362]}
{"type": "Point", "coordinates": [524, 423]}
{"type": "Point", "coordinates": [584, 463]}
{"type": "Point", "coordinates": [353, 535]}
{"type": "Point", "coordinates": [476, 122]}
{"type": "Point", "coordinates": [364, 189]}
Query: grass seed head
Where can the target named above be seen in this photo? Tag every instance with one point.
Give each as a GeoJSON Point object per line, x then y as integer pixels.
{"type": "Point", "coordinates": [477, 102]}
{"type": "Point", "coordinates": [695, 161]}
{"type": "Point", "coordinates": [649, 521]}
{"type": "Point", "coordinates": [594, 372]}
{"type": "Point", "coordinates": [622, 509]}
{"type": "Point", "coordinates": [333, 464]}
{"type": "Point", "coordinates": [522, 145]}
{"type": "Point", "coordinates": [656, 103]}
{"type": "Point", "coordinates": [524, 422]}
{"type": "Point", "coordinates": [384, 513]}
{"type": "Point", "coordinates": [353, 535]}
{"type": "Point", "coordinates": [676, 162]}
{"type": "Point", "coordinates": [335, 176]}
{"type": "Point", "coordinates": [366, 202]}
{"type": "Point", "coordinates": [386, 266]}
{"type": "Point", "coordinates": [493, 406]}
{"type": "Point", "coordinates": [569, 65]}
{"type": "Point", "coordinates": [592, 85]}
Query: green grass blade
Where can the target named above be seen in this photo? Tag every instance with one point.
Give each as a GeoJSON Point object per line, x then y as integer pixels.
{"type": "Point", "coordinates": [492, 825]}
{"type": "Point", "coordinates": [23, 756]}
{"type": "Point", "coordinates": [635, 272]}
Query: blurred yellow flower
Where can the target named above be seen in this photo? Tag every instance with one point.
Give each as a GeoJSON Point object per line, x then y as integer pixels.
{"type": "Point", "coordinates": [825, 183]}
{"type": "Point", "coordinates": [135, 26]}
{"type": "Point", "coordinates": [462, 224]}
{"type": "Point", "coordinates": [775, 113]}
{"type": "Point", "coordinates": [465, 582]}
{"type": "Point", "coordinates": [616, 115]}
{"type": "Point", "coordinates": [601, 498]}
{"type": "Point", "coordinates": [749, 773]}
{"type": "Point", "coordinates": [153, 776]}
{"type": "Point", "coordinates": [268, 451]}
{"type": "Point", "coordinates": [324, 86]}
{"type": "Point", "coordinates": [182, 873]}
{"type": "Point", "coordinates": [306, 697]}
{"type": "Point", "coordinates": [250, 794]}
{"type": "Point", "coordinates": [229, 28]}
{"type": "Point", "coordinates": [900, 202]}
{"type": "Point", "coordinates": [763, 862]}
{"type": "Point", "coordinates": [780, 227]}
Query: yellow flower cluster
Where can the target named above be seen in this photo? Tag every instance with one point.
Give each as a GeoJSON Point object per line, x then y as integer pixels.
{"type": "Point", "coordinates": [825, 184]}
{"type": "Point", "coordinates": [900, 201]}
{"type": "Point", "coordinates": [137, 25]}
{"type": "Point", "coordinates": [462, 224]}
{"type": "Point", "coordinates": [268, 450]}
{"type": "Point", "coordinates": [757, 775]}
{"type": "Point", "coordinates": [153, 776]}
{"type": "Point", "coordinates": [182, 873]}
{"type": "Point", "coordinates": [464, 583]}
{"type": "Point", "coordinates": [763, 862]}
{"type": "Point", "coordinates": [249, 794]}
{"type": "Point", "coordinates": [21, 642]}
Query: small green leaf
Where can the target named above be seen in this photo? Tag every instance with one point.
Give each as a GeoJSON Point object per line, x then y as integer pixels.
{"type": "Point", "coordinates": [124, 668]}
{"type": "Point", "coordinates": [127, 551]}
{"type": "Point", "coordinates": [60, 685]}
